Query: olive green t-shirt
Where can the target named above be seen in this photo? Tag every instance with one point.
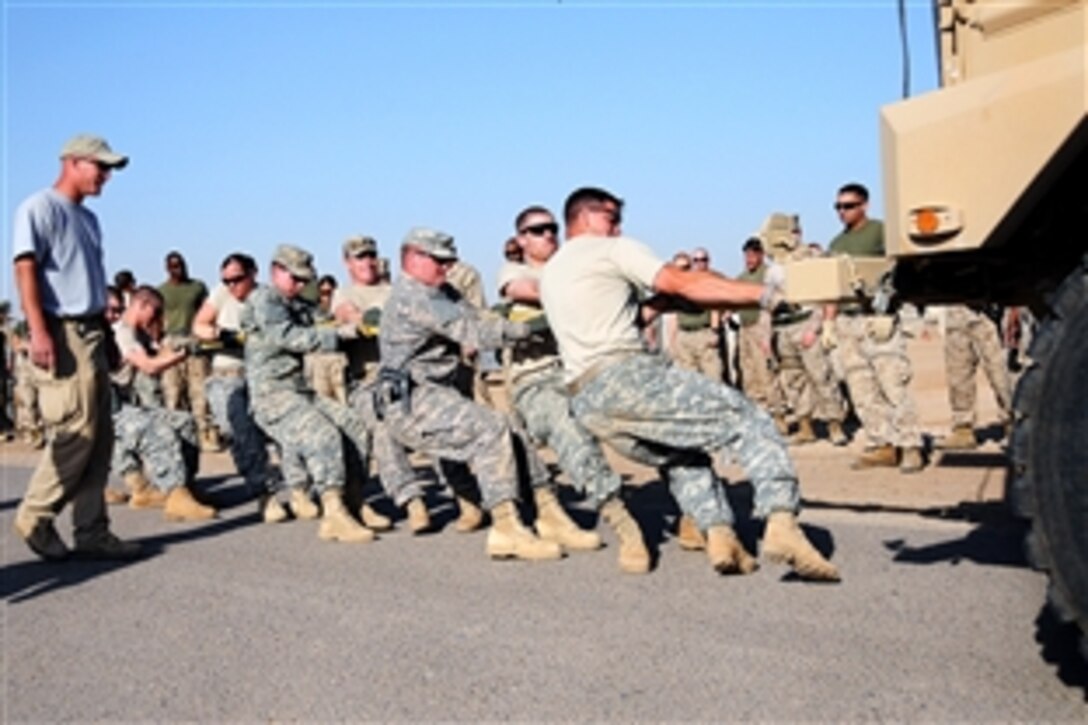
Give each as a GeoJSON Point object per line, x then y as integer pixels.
{"type": "Point", "coordinates": [179, 305]}
{"type": "Point", "coordinates": [866, 241]}
{"type": "Point", "coordinates": [692, 321]}
{"type": "Point", "coordinates": [749, 316]}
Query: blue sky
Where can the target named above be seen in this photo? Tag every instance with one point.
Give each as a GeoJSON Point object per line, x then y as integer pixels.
{"type": "Point", "coordinates": [254, 123]}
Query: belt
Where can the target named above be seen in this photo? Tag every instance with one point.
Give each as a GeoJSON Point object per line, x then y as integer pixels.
{"type": "Point", "coordinates": [83, 323]}
{"type": "Point", "coordinates": [789, 318]}
{"type": "Point", "coordinates": [579, 383]}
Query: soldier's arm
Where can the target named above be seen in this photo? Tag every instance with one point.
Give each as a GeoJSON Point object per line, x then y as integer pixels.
{"type": "Point", "coordinates": [276, 326]}
{"type": "Point", "coordinates": [204, 326]}
{"type": "Point", "coordinates": [706, 288]}
{"type": "Point", "coordinates": [465, 325]}
{"type": "Point", "coordinates": [525, 290]}
{"type": "Point", "coordinates": [153, 364]}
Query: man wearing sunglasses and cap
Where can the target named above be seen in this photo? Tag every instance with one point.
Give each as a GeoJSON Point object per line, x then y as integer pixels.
{"type": "Point", "coordinates": [425, 328]}
{"type": "Point", "coordinates": [279, 328]}
{"type": "Point", "coordinates": [872, 350]}
{"type": "Point", "coordinates": [58, 254]}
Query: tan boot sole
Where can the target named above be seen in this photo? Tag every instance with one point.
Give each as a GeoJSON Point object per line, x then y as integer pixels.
{"type": "Point", "coordinates": [503, 547]}
{"type": "Point", "coordinates": [573, 538]}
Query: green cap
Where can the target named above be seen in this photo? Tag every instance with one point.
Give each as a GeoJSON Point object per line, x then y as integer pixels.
{"type": "Point", "coordinates": [356, 246]}
{"type": "Point", "coordinates": [431, 241]}
{"type": "Point", "coordinates": [86, 146]}
{"type": "Point", "coordinates": [298, 262]}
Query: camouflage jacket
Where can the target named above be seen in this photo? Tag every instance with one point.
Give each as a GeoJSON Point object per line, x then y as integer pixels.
{"type": "Point", "coordinates": [279, 332]}
{"type": "Point", "coordinates": [424, 329]}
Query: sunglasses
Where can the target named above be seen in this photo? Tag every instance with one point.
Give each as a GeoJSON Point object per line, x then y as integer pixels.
{"type": "Point", "coordinates": [366, 255]}
{"type": "Point", "coordinates": [115, 309]}
{"type": "Point", "coordinates": [231, 281]}
{"type": "Point", "coordinates": [539, 230]}
{"type": "Point", "coordinates": [847, 205]}
{"type": "Point", "coordinates": [700, 260]}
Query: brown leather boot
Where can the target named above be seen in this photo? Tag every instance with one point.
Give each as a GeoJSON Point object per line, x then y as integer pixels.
{"type": "Point", "coordinates": [781, 425]}
{"type": "Point", "coordinates": [142, 495]}
{"type": "Point", "coordinates": [374, 520]}
{"type": "Point", "coordinates": [302, 506]}
{"type": "Point", "coordinates": [419, 519]}
{"type": "Point", "coordinates": [688, 535]}
{"type": "Point", "coordinates": [879, 457]}
{"type": "Point", "coordinates": [804, 433]}
{"type": "Point", "coordinates": [836, 434]}
{"type": "Point", "coordinates": [553, 524]}
{"type": "Point", "coordinates": [726, 553]}
{"type": "Point", "coordinates": [784, 542]}
{"type": "Point", "coordinates": [634, 556]}
{"type": "Point", "coordinates": [508, 538]}
{"type": "Point", "coordinates": [471, 516]}
{"type": "Point", "coordinates": [337, 524]}
{"type": "Point", "coordinates": [962, 438]}
{"type": "Point", "coordinates": [181, 506]}
{"type": "Point", "coordinates": [114, 496]}
{"type": "Point", "coordinates": [271, 510]}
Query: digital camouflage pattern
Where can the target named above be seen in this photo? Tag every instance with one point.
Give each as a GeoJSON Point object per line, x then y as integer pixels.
{"type": "Point", "coordinates": [228, 398]}
{"type": "Point", "coordinates": [971, 341]}
{"type": "Point", "coordinates": [804, 373]}
{"type": "Point", "coordinates": [162, 443]}
{"type": "Point", "coordinates": [660, 415]}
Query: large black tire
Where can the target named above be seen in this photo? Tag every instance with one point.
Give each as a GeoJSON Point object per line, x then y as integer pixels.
{"type": "Point", "coordinates": [1050, 449]}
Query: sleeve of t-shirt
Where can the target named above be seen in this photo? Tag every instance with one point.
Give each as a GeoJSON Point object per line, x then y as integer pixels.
{"type": "Point", "coordinates": [509, 272]}
{"type": "Point", "coordinates": [25, 237]}
{"type": "Point", "coordinates": [126, 340]}
{"type": "Point", "coordinates": [635, 261]}
{"type": "Point", "coordinates": [219, 296]}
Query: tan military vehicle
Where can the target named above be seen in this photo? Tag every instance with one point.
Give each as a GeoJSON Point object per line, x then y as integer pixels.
{"type": "Point", "coordinates": [986, 199]}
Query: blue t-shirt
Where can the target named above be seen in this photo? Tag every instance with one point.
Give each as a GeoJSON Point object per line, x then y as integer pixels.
{"type": "Point", "coordinates": [66, 243]}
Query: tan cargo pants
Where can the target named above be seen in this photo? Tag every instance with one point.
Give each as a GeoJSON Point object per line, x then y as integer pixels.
{"type": "Point", "coordinates": [699, 350]}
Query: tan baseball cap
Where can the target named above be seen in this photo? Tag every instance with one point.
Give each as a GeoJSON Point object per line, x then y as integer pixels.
{"type": "Point", "coordinates": [298, 262]}
{"type": "Point", "coordinates": [356, 246]}
{"type": "Point", "coordinates": [86, 146]}
{"type": "Point", "coordinates": [431, 241]}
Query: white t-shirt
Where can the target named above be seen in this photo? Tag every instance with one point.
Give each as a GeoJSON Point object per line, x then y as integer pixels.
{"type": "Point", "coordinates": [539, 352]}
{"type": "Point", "coordinates": [228, 316]}
{"type": "Point", "coordinates": [363, 353]}
{"type": "Point", "coordinates": [591, 290]}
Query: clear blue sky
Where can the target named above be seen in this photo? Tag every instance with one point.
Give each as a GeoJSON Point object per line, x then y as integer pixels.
{"type": "Point", "coordinates": [254, 123]}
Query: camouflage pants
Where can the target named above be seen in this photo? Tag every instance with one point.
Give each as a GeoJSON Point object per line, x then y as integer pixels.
{"type": "Point", "coordinates": [326, 373]}
{"type": "Point", "coordinates": [757, 380]}
{"type": "Point", "coordinates": [543, 405]}
{"type": "Point", "coordinates": [183, 388]}
{"type": "Point", "coordinates": [878, 374]}
{"type": "Point", "coordinates": [970, 341]}
{"type": "Point", "coordinates": [160, 442]}
{"type": "Point", "coordinates": [444, 424]}
{"type": "Point", "coordinates": [397, 474]}
{"type": "Point", "coordinates": [28, 417]}
{"type": "Point", "coordinates": [228, 399]}
{"type": "Point", "coordinates": [699, 350]}
{"type": "Point", "coordinates": [805, 376]}
{"type": "Point", "coordinates": [660, 415]}
{"type": "Point", "coordinates": [315, 434]}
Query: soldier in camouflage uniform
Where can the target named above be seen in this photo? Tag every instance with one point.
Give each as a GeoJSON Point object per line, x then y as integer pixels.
{"type": "Point", "coordinates": [426, 327]}
{"type": "Point", "coordinates": [28, 417]}
{"type": "Point", "coordinates": [873, 351]}
{"type": "Point", "coordinates": [971, 341]}
{"type": "Point", "coordinates": [697, 342]}
{"type": "Point", "coordinates": [218, 324]}
{"type": "Point", "coordinates": [466, 280]}
{"type": "Point", "coordinates": [6, 424]}
{"type": "Point", "coordinates": [804, 371]}
{"type": "Point", "coordinates": [327, 370]}
{"type": "Point", "coordinates": [654, 412]}
{"type": "Point", "coordinates": [279, 330]}
{"type": "Point", "coordinates": [154, 439]}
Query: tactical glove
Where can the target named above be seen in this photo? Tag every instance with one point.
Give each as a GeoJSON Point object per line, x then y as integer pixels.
{"type": "Point", "coordinates": [880, 328]}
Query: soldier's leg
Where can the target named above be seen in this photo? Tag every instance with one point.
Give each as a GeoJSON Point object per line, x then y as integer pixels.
{"type": "Point", "coordinates": [28, 420]}
{"type": "Point", "coordinates": [893, 372]}
{"type": "Point", "coordinates": [173, 387]}
{"type": "Point", "coordinates": [871, 407]}
{"type": "Point", "coordinates": [184, 426]}
{"type": "Point", "coordinates": [991, 355]}
{"type": "Point", "coordinates": [710, 358]}
{"type": "Point", "coordinates": [160, 447]}
{"type": "Point", "coordinates": [960, 363]}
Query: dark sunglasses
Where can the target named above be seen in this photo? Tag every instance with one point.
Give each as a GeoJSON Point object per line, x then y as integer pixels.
{"type": "Point", "coordinates": [847, 205]}
{"type": "Point", "coordinates": [539, 230]}
{"type": "Point", "coordinates": [231, 281]}
{"type": "Point", "coordinates": [700, 260]}
{"type": "Point", "coordinates": [366, 255]}
{"type": "Point", "coordinates": [115, 309]}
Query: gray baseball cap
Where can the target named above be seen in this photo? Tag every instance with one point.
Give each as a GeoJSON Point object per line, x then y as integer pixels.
{"type": "Point", "coordinates": [86, 146]}
{"type": "Point", "coordinates": [435, 243]}
{"type": "Point", "coordinates": [298, 262]}
{"type": "Point", "coordinates": [356, 246]}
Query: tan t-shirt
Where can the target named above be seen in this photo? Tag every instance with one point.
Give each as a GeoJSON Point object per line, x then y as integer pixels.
{"type": "Point", "coordinates": [591, 290]}
{"type": "Point", "coordinates": [228, 312]}
{"type": "Point", "coordinates": [538, 352]}
{"type": "Point", "coordinates": [363, 354]}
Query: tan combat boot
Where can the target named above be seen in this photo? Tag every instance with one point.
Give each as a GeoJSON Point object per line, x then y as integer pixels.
{"type": "Point", "coordinates": [836, 434]}
{"type": "Point", "coordinates": [726, 553]}
{"type": "Point", "coordinates": [142, 495]}
{"type": "Point", "coordinates": [962, 438]}
{"type": "Point", "coordinates": [879, 457]}
{"type": "Point", "coordinates": [911, 460]}
{"type": "Point", "coordinates": [688, 535]}
{"type": "Point", "coordinates": [181, 506]}
{"type": "Point", "coordinates": [210, 442]}
{"type": "Point", "coordinates": [337, 524]}
{"type": "Point", "coordinates": [553, 524]}
{"type": "Point", "coordinates": [271, 510]}
{"type": "Point", "coordinates": [634, 556]}
{"type": "Point", "coordinates": [374, 520]}
{"type": "Point", "coordinates": [804, 433]}
{"type": "Point", "coordinates": [508, 538]}
{"type": "Point", "coordinates": [302, 506]}
{"type": "Point", "coordinates": [419, 519]}
{"type": "Point", "coordinates": [471, 516]}
{"type": "Point", "coordinates": [784, 542]}
{"type": "Point", "coordinates": [781, 425]}
{"type": "Point", "coordinates": [114, 495]}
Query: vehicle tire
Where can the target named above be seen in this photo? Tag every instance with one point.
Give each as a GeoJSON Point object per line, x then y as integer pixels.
{"type": "Point", "coordinates": [1049, 450]}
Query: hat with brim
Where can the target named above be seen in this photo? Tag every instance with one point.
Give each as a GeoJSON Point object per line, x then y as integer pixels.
{"type": "Point", "coordinates": [432, 242]}
{"type": "Point", "coordinates": [86, 146]}
{"type": "Point", "coordinates": [298, 262]}
{"type": "Point", "coordinates": [358, 246]}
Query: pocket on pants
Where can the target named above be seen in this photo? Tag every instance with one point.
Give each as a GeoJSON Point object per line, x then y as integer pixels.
{"type": "Point", "coordinates": [58, 398]}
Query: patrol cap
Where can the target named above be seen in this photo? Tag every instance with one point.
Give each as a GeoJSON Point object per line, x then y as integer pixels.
{"type": "Point", "coordinates": [298, 262]}
{"type": "Point", "coordinates": [86, 146]}
{"type": "Point", "coordinates": [358, 246]}
{"type": "Point", "coordinates": [431, 241]}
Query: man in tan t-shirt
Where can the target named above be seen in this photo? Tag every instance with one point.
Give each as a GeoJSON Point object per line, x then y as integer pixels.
{"type": "Point", "coordinates": [652, 411]}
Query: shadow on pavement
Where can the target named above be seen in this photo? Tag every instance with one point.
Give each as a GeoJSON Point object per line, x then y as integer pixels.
{"type": "Point", "coordinates": [29, 579]}
{"type": "Point", "coordinates": [1058, 643]}
{"type": "Point", "coordinates": [970, 459]}
{"type": "Point", "coordinates": [9, 504]}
